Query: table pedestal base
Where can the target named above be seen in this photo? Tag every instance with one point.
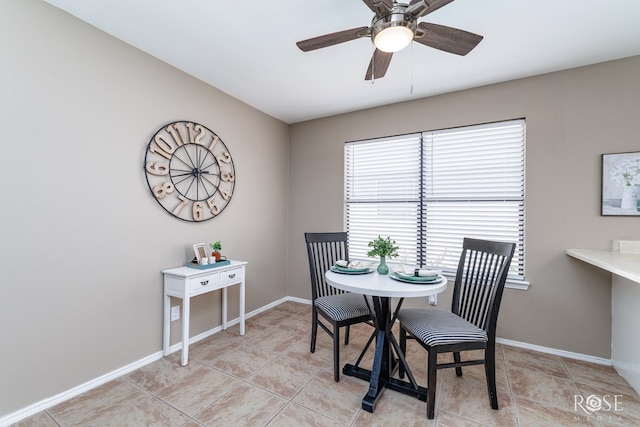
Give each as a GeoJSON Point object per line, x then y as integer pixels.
{"type": "Point", "coordinates": [384, 363]}
{"type": "Point", "coordinates": [370, 400]}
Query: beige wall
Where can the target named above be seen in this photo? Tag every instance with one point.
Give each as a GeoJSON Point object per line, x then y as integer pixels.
{"type": "Point", "coordinates": [572, 118]}
{"type": "Point", "coordinates": [83, 242]}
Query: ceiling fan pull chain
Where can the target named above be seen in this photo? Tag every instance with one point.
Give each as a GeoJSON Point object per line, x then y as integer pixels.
{"type": "Point", "coordinates": [411, 92]}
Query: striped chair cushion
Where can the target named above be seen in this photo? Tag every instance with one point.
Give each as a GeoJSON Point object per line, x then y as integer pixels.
{"type": "Point", "coordinates": [343, 306]}
{"type": "Point", "coordinates": [435, 326]}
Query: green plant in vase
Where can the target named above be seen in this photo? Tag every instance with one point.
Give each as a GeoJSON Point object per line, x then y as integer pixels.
{"type": "Point", "coordinates": [384, 248]}
{"type": "Point", "coordinates": [217, 247]}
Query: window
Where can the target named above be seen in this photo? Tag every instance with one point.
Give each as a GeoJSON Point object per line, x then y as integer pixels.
{"type": "Point", "coordinates": [429, 190]}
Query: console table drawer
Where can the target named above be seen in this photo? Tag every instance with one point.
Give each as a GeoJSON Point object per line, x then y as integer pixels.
{"type": "Point", "coordinates": [204, 283]}
{"type": "Point", "coordinates": [231, 276]}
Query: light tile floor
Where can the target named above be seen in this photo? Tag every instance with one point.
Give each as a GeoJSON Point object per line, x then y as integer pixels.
{"type": "Point", "coordinates": [269, 378]}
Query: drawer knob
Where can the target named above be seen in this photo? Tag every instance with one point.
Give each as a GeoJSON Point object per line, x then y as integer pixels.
{"type": "Point", "coordinates": [231, 276]}
{"type": "Point", "coordinates": [204, 283]}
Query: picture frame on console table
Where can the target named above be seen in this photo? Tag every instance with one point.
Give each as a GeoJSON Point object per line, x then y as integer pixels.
{"type": "Point", "coordinates": [620, 184]}
{"type": "Point", "coordinates": [200, 250]}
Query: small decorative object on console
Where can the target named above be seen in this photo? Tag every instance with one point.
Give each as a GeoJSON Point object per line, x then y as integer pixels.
{"type": "Point", "coordinates": [217, 247]}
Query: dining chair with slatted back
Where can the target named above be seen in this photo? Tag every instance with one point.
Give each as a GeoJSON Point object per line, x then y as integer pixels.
{"type": "Point", "coordinates": [471, 324]}
{"type": "Point", "coordinates": [338, 308]}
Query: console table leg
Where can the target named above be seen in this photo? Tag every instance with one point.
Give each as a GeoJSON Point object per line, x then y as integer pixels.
{"type": "Point", "coordinates": [224, 309]}
{"type": "Point", "coordinates": [242, 308]}
{"type": "Point", "coordinates": [166, 328]}
{"type": "Point", "coordinates": [185, 330]}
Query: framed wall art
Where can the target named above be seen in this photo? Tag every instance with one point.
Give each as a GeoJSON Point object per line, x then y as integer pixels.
{"type": "Point", "coordinates": [621, 184]}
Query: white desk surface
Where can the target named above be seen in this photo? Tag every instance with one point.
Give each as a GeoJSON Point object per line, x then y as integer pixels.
{"type": "Point", "coordinates": [381, 285]}
{"type": "Point", "coordinates": [623, 264]}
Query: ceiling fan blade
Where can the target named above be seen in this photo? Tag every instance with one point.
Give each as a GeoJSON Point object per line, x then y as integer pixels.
{"type": "Point", "coordinates": [448, 39]}
{"type": "Point", "coordinates": [379, 7]}
{"type": "Point", "coordinates": [424, 7]}
{"type": "Point", "coordinates": [332, 39]}
{"type": "Point", "coordinates": [378, 65]}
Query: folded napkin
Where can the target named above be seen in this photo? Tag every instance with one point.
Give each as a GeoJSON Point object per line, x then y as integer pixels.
{"type": "Point", "coordinates": [426, 273]}
{"type": "Point", "coordinates": [353, 264]}
{"type": "Point", "coordinates": [418, 272]}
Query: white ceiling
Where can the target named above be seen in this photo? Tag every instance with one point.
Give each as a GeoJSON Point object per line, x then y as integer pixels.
{"type": "Point", "coordinates": [247, 48]}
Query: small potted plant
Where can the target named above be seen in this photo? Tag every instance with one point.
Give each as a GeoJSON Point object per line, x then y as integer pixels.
{"type": "Point", "coordinates": [217, 247]}
{"type": "Point", "coordinates": [383, 248]}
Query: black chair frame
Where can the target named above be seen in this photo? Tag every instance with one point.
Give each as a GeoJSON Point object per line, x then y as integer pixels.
{"type": "Point", "coordinates": [477, 294]}
{"type": "Point", "coordinates": [323, 250]}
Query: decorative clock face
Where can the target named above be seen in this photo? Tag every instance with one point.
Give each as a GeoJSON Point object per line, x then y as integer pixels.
{"type": "Point", "coordinates": [189, 171]}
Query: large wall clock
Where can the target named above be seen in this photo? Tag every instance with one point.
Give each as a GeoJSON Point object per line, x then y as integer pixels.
{"type": "Point", "coordinates": [189, 171]}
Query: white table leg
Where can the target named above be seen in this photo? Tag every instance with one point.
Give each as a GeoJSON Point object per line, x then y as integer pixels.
{"type": "Point", "coordinates": [185, 330]}
{"type": "Point", "coordinates": [224, 308]}
{"type": "Point", "coordinates": [166, 325]}
{"type": "Point", "coordinates": [242, 308]}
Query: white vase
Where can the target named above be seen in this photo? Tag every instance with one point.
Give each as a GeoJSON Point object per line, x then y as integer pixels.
{"type": "Point", "coordinates": [630, 196]}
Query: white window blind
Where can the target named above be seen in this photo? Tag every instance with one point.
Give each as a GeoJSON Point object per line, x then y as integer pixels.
{"type": "Point", "coordinates": [429, 190]}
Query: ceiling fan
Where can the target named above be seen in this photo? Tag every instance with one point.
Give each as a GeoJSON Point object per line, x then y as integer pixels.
{"type": "Point", "coordinates": [393, 27]}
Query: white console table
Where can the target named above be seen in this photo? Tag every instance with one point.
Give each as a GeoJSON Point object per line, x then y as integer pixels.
{"type": "Point", "coordinates": [187, 282]}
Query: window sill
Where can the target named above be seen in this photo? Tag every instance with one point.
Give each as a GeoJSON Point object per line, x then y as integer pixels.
{"type": "Point", "coordinates": [521, 285]}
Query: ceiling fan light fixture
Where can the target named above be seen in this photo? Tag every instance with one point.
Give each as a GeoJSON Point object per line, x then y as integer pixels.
{"type": "Point", "coordinates": [393, 27]}
{"type": "Point", "coordinates": [393, 32]}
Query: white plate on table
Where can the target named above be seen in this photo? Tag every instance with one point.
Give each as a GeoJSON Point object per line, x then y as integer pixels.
{"type": "Point", "coordinates": [417, 280]}
{"type": "Point", "coordinates": [344, 270]}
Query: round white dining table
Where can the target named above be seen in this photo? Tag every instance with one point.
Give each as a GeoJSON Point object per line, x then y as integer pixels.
{"type": "Point", "coordinates": [382, 285]}
{"type": "Point", "coordinates": [378, 290]}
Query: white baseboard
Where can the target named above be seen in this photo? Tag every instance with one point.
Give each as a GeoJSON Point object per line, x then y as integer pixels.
{"type": "Point", "coordinates": [206, 334]}
{"type": "Point", "coordinates": [533, 347]}
{"type": "Point", "coordinates": [49, 402]}
{"type": "Point", "coordinates": [75, 391]}
{"type": "Point", "coordinates": [66, 395]}
{"type": "Point", "coordinates": [563, 353]}
{"type": "Point", "coordinates": [295, 299]}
